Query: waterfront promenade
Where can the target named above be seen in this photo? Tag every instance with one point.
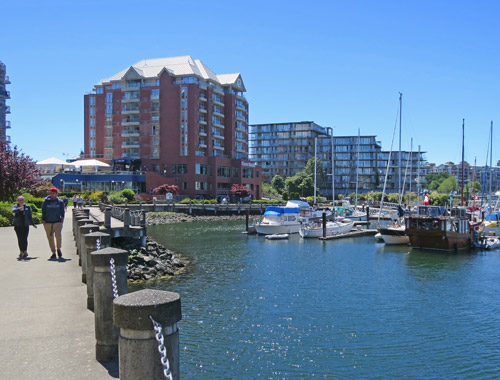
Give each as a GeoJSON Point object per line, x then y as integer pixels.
{"type": "Point", "coordinates": [46, 332]}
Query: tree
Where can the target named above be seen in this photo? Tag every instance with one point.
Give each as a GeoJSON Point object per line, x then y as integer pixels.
{"type": "Point", "coordinates": [18, 173]}
{"type": "Point", "coordinates": [278, 183]}
{"type": "Point", "coordinates": [164, 189]}
{"type": "Point", "coordinates": [240, 190]}
{"type": "Point", "coordinates": [472, 188]}
{"type": "Point", "coordinates": [448, 185]}
{"type": "Point", "coordinates": [320, 171]}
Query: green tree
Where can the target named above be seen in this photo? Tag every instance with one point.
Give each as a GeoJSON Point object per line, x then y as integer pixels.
{"type": "Point", "coordinates": [320, 171]}
{"type": "Point", "coordinates": [449, 184]}
{"type": "Point", "coordinates": [278, 183]}
{"type": "Point", "coordinates": [472, 188]}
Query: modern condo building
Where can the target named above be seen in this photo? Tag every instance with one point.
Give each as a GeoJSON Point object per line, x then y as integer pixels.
{"type": "Point", "coordinates": [4, 109]}
{"type": "Point", "coordinates": [358, 162]}
{"type": "Point", "coordinates": [176, 120]}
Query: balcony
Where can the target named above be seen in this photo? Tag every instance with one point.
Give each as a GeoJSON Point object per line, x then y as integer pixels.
{"type": "Point", "coordinates": [218, 90]}
{"type": "Point", "coordinates": [130, 86]}
{"type": "Point", "coordinates": [217, 101]}
{"type": "Point", "coordinates": [130, 100]}
{"type": "Point", "coordinates": [240, 150]}
{"type": "Point", "coordinates": [203, 132]}
{"type": "Point", "coordinates": [219, 136]}
{"type": "Point", "coordinates": [130, 111]}
{"type": "Point", "coordinates": [202, 121]}
{"type": "Point", "coordinates": [131, 144]}
{"type": "Point", "coordinates": [7, 79]}
{"type": "Point", "coordinates": [241, 117]}
{"type": "Point", "coordinates": [241, 107]}
{"type": "Point", "coordinates": [7, 109]}
{"type": "Point", "coordinates": [216, 113]}
{"type": "Point", "coordinates": [218, 147]}
{"type": "Point", "coordinates": [128, 122]}
{"type": "Point", "coordinates": [241, 128]}
{"type": "Point", "coordinates": [130, 133]}
{"type": "Point", "coordinates": [202, 144]}
{"type": "Point", "coordinates": [203, 110]}
{"type": "Point", "coordinates": [217, 124]}
{"type": "Point", "coordinates": [200, 153]}
{"type": "Point", "coordinates": [202, 98]}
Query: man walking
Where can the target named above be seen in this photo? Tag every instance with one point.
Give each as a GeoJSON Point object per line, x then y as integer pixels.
{"type": "Point", "coordinates": [52, 218]}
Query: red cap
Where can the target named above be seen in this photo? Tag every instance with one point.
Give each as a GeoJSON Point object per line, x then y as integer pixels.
{"type": "Point", "coordinates": [53, 189]}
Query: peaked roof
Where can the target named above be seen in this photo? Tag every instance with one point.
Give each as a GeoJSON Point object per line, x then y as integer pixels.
{"type": "Point", "coordinates": [178, 66]}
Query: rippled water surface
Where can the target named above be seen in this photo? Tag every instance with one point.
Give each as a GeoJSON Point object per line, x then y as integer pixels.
{"type": "Point", "coordinates": [345, 309]}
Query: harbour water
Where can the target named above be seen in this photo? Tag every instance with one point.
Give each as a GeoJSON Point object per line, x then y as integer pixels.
{"type": "Point", "coordinates": [343, 309]}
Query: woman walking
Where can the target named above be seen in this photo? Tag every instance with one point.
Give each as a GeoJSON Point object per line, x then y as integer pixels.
{"type": "Point", "coordinates": [23, 218]}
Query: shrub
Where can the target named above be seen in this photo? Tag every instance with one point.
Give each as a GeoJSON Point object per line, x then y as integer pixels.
{"type": "Point", "coordinates": [294, 195]}
{"type": "Point", "coordinates": [4, 222]}
{"type": "Point", "coordinates": [284, 195]}
{"type": "Point", "coordinates": [129, 194]}
{"type": "Point", "coordinates": [37, 218]}
{"type": "Point", "coordinates": [116, 197]}
{"type": "Point", "coordinates": [6, 211]}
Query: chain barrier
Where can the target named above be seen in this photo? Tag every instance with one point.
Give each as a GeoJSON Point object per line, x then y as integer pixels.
{"type": "Point", "coordinates": [113, 277]}
{"type": "Point", "coordinates": [98, 244]}
{"type": "Point", "coordinates": [162, 349]}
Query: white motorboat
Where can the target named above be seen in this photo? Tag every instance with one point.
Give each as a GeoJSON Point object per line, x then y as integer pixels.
{"type": "Point", "coordinates": [279, 220]}
{"type": "Point", "coordinates": [315, 230]}
{"type": "Point", "coordinates": [394, 234]}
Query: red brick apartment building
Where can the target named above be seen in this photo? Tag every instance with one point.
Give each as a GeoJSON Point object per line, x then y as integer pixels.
{"type": "Point", "coordinates": [177, 121]}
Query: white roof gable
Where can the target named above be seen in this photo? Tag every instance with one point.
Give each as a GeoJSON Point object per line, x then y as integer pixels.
{"type": "Point", "coordinates": [178, 66]}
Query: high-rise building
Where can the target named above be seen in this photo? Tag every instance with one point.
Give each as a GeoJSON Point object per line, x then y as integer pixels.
{"type": "Point", "coordinates": [178, 119]}
{"type": "Point", "coordinates": [359, 162]}
{"type": "Point", "coordinates": [4, 109]}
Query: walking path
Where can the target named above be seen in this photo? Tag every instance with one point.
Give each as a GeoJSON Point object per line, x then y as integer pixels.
{"type": "Point", "coordinates": [46, 331]}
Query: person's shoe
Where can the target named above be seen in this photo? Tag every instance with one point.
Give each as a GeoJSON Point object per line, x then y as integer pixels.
{"type": "Point", "coordinates": [25, 256]}
{"type": "Point", "coordinates": [21, 254]}
{"type": "Point", "coordinates": [53, 257]}
{"type": "Point", "coordinates": [59, 253]}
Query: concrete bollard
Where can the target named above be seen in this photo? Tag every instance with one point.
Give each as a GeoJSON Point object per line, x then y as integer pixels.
{"type": "Point", "coordinates": [106, 333]}
{"type": "Point", "coordinates": [79, 223]}
{"type": "Point", "coordinates": [126, 218]}
{"type": "Point", "coordinates": [139, 357]}
{"type": "Point", "coordinates": [77, 217]}
{"type": "Point", "coordinates": [91, 246]}
{"type": "Point", "coordinates": [107, 218]}
{"type": "Point", "coordinates": [84, 230]}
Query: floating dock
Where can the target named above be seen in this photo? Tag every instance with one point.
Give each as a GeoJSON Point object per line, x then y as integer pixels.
{"type": "Point", "coordinates": [354, 233]}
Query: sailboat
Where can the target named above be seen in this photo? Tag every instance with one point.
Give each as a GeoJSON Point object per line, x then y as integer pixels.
{"type": "Point", "coordinates": [395, 233]}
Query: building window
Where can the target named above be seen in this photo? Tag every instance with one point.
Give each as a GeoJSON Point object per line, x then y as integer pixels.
{"type": "Point", "coordinates": [236, 172]}
{"type": "Point", "coordinates": [109, 109]}
{"type": "Point", "coordinates": [179, 169]}
{"type": "Point", "coordinates": [247, 173]}
{"type": "Point", "coordinates": [223, 171]}
{"type": "Point", "coordinates": [184, 185]}
{"type": "Point", "coordinates": [155, 94]}
{"type": "Point", "coordinates": [92, 100]}
{"type": "Point", "coordinates": [109, 97]}
{"type": "Point", "coordinates": [201, 185]}
{"type": "Point", "coordinates": [184, 122]}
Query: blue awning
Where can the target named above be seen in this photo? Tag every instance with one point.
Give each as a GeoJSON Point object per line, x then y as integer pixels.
{"type": "Point", "coordinates": [276, 210]}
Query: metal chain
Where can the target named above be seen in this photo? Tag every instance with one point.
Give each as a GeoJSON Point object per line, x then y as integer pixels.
{"type": "Point", "coordinates": [98, 244]}
{"type": "Point", "coordinates": [113, 277]}
{"type": "Point", "coordinates": [162, 349]}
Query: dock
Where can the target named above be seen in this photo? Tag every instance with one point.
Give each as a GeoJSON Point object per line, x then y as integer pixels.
{"type": "Point", "coordinates": [354, 233]}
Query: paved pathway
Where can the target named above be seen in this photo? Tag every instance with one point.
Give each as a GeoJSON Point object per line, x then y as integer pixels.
{"type": "Point", "coordinates": [46, 331]}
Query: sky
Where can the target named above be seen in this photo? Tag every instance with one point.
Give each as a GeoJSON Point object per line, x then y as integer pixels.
{"type": "Point", "coordinates": [341, 64]}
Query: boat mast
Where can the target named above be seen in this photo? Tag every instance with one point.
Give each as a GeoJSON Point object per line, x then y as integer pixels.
{"type": "Point", "coordinates": [400, 118]}
{"type": "Point", "coordinates": [411, 167]}
{"type": "Point", "coordinates": [333, 175]}
{"type": "Point", "coordinates": [491, 159]}
{"type": "Point", "coordinates": [462, 186]}
{"type": "Point", "coordinates": [315, 163]}
{"type": "Point", "coordinates": [357, 173]}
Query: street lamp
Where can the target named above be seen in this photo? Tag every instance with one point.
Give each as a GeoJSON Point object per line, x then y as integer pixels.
{"type": "Point", "coordinates": [112, 185]}
{"type": "Point", "coordinates": [61, 184]}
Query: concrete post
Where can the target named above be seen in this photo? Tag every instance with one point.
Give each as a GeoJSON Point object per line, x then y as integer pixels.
{"type": "Point", "coordinates": [84, 230]}
{"type": "Point", "coordinates": [107, 218]}
{"type": "Point", "coordinates": [139, 356]}
{"type": "Point", "coordinates": [106, 333]}
{"type": "Point", "coordinates": [91, 246]}
{"type": "Point", "coordinates": [79, 223]}
{"type": "Point", "coordinates": [126, 218]}
{"type": "Point", "coordinates": [77, 217]}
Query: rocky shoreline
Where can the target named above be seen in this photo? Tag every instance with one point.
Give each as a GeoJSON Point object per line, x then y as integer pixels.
{"type": "Point", "coordinates": [151, 262]}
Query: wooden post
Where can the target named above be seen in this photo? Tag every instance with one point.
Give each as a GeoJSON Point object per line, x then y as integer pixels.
{"type": "Point", "coordinates": [324, 224]}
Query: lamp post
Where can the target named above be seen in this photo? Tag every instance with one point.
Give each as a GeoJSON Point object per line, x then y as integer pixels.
{"type": "Point", "coordinates": [61, 184]}
{"type": "Point", "coordinates": [112, 185]}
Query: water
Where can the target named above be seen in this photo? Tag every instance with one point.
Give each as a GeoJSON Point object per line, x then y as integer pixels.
{"type": "Point", "coordinates": [345, 309]}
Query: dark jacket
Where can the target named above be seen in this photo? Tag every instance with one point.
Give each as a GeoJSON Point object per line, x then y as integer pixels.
{"type": "Point", "coordinates": [22, 218]}
{"type": "Point", "coordinates": [52, 210]}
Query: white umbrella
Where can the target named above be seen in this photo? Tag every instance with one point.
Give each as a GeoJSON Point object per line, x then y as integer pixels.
{"type": "Point", "coordinates": [91, 162]}
{"type": "Point", "coordinates": [53, 161]}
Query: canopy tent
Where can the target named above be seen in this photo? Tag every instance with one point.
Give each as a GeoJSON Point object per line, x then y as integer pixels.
{"type": "Point", "coordinates": [53, 161]}
{"type": "Point", "coordinates": [91, 162]}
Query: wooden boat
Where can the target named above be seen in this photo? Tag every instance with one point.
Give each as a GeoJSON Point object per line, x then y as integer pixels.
{"type": "Point", "coordinates": [315, 230]}
{"type": "Point", "coordinates": [432, 228]}
{"type": "Point", "coordinates": [277, 236]}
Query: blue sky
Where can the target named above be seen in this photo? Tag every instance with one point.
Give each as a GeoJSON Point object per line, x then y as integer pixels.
{"type": "Point", "coordinates": [341, 64]}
